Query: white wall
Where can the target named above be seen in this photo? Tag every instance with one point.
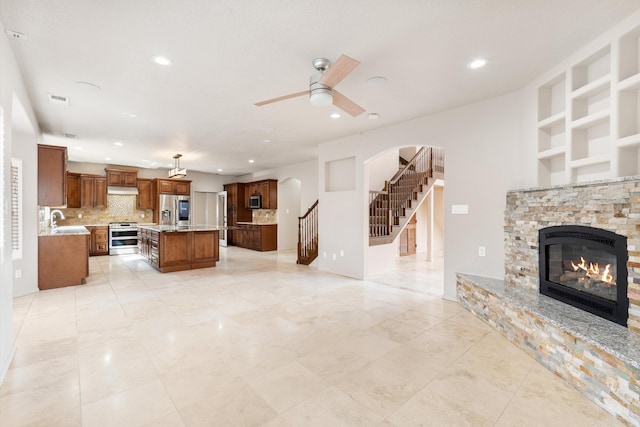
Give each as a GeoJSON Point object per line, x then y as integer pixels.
{"type": "Point", "coordinates": [11, 85]}
{"type": "Point", "coordinates": [25, 148]}
{"type": "Point", "coordinates": [481, 161]}
{"type": "Point", "coordinates": [382, 168]}
{"type": "Point", "coordinates": [289, 194]}
{"type": "Point", "coordinates": [422, 223]}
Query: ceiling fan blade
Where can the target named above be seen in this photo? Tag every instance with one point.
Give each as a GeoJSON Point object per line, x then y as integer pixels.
{"type": "Point", "coordinates": [338, 71]}
{"type": "Point", "coordinates": [347, 105]}
{"type": "Point", "coordinates": [281, 98]}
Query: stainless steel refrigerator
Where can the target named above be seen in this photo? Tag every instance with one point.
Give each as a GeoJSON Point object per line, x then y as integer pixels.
{"type": "Point", "coordinates": [174, 210]}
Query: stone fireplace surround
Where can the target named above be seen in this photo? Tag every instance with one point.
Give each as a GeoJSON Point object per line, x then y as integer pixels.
{"type": "Point", "coordinates": [598, 357]}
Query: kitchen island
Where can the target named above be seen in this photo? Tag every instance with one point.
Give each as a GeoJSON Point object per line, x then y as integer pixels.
{"type": "Point", "coordinates": [170, 248]}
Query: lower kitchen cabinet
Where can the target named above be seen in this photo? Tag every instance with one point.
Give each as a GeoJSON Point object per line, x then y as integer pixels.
{"type": "Point", "coordinates": [99, 240]}
{"type": "Point", "coordinates": [256, 237]}
{"type": "Point", "coordinates": [173, 250]}
{"type": "Point", "coordinates": [62, 260]}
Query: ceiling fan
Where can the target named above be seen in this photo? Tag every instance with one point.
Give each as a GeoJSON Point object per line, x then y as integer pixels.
{"type": "Point", "coordinates": [321, 86]}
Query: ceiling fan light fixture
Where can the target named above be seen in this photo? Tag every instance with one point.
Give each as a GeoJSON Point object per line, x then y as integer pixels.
{"type": "Point", "coordinates": [321, 98]}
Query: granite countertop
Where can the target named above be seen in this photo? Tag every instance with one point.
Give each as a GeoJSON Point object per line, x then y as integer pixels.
{"type": "Point", "coordinates": [65, 230]}
{"type": "Point", "coordinates": [603, 334]}
{"type": "Point", "coordinates": [173, 228]}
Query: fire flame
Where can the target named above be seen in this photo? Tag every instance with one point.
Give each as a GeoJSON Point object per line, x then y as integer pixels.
{"type": "Point", "coordinates": [593, 270]}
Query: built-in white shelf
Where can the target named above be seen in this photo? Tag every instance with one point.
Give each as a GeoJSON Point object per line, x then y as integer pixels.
{"type": "Point", "coordinates": [630, 83]}
{"type": "Point", "coordinates": [588, 120]}
{"type": "Point", "coordinates": [599, 85]}
{"type": "Point", "coordinates": [552, 152]}
{"type": "Point", "coordinates": [589, 161]}
{"type": "Point", "coordinates": [629, 141]}
{"type": "Point", "coordinates": [592, 120]}
{"type": "Point", "coordinates": [553, 121]}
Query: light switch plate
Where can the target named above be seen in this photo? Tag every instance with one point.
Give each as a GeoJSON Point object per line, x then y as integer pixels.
{"type": "Point", "coordinates": [460, 209]}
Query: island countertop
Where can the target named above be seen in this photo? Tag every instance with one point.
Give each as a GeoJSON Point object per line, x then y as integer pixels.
{"type": "Point", "coordinates": [173, 228]}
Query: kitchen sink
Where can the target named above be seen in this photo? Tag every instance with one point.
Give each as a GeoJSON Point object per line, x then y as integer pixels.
{"type": "Point", "coordinates": [69, 229]}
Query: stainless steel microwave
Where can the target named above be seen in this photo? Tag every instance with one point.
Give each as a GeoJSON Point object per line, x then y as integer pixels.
{"type": "Point", "coordinates": [255, 202]}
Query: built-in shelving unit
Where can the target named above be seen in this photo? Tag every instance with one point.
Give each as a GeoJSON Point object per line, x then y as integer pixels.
{"type": "Point", "coordinates": [589, 116]}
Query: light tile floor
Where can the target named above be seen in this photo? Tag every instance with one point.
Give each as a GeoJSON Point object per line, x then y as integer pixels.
{"type": "Point", "coordinates": [259, 340]}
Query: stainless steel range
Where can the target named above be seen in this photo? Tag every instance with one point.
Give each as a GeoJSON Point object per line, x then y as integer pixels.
{"type": "Point", "coordinates": [123, 238]}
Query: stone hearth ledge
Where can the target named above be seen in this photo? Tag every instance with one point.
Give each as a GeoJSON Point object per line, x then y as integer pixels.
{"type": "Point", "coordinates": [598, 357]}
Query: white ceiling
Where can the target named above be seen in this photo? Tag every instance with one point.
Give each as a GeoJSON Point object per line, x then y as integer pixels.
{"type": "Point", "coordinates": [229, 54]}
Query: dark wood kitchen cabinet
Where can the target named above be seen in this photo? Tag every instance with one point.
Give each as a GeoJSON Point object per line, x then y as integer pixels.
{"type": "Point", "coordinates": [63, 260]}
{"type": "Point", "coordinates": [267, 189]}
{"type": "Point", "coordinates": [179, 250]}
{"type": "Point", "coordinates": [93, 192]}
{"type": "Point", "coordinates": [52, 175]}
{"type": "Point", "coordinates": [122, 177]}
{"type": "Point", "coordinates": [86, 191]}
{"type": "Point", "coordinates": [173, 186]}
{"type": "Point", "coordinates": [98, 239]}
{"type": "Point", "coordinates": [236, 208]}
{"type": "Point", "coordinates": [73, 190]}
{"type": "Point", "coordinates": [257, 237]}
{"type": "Point", "coordinates": [145, 198]}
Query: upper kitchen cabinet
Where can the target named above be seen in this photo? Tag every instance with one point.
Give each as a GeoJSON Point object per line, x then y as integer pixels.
{"type": "Point", "coordinates": [173, 186]}
{"type": "Point", "coordinates": [267, 189]}
{"type": "Point", "coordinates": [86, 191]}
{"type": "Point", "coordinates": [93, 192]}
{"type": "Point", "coordinates": [144, 199]}
{"type": "Point", "coordinates": [122, 177]}
{"type": "Point", "coordinates": [73, 190]}
{"type": "Point", "coordinates": [52, 175]}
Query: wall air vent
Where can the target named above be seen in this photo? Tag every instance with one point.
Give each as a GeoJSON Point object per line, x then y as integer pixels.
{"type": "Point", "coordinates": [58, 99]}
{"type": "Point", "coordinates": [70, 135]}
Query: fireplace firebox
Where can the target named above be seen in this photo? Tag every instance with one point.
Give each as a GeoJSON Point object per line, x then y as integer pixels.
{"type": "Point", "coordinates": [585, 267]}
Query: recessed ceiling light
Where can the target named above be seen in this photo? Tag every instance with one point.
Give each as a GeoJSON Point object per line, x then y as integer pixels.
{"type": "Point", "coordinates": [107, 158]}
{"type": "Point", "coordinates": [335, 115]}
{"type": "Point", "coordinates": [77, 148]}
{"type": "Point", "coordinates": [219, 170]}
{"type": "Point", "coordinates": [373, 116]}
{"type": "Point", "coordinates": [118, 143]}
{"type": "Point", "coordinates": [130, 115]}
{"type": "Point", "coordinates": [161, 60]}
{"type": "Point", "coordinates": [377, 81]}
{"type": "Point", "coordinates": [88, 86]}
{"type": "Point", "coordinates": [251, 161]}
{"type": "Point", "coordinates": [478, 63]}
{"type": "Point", "coordinates": [16, 35]}
{"type": "Point", "coordinates": [266, 141]}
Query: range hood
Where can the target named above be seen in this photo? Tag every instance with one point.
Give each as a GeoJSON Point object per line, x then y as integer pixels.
{"type": "Point", "coordinates": [123, 191]}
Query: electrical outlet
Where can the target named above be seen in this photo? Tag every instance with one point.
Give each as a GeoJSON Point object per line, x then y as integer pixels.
{"type": "Point", "coordinates": [141, 215]}
{"type": "Point", "coordinates": [334, 257]}
{"type": "Point", "coordinates": [18, 274]}
{"type": "Point", "coordinates": [341, 252]}
{"type": "Point", "coordinates": [482, 251]}
{"type": "Point", "coordinates": [79, 216]}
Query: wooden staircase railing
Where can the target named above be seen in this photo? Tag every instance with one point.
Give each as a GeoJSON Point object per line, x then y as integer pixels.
{"type": "Point", "coordinates": [308, 236]}
{"type": "Point", "coordinates": [386, 207]}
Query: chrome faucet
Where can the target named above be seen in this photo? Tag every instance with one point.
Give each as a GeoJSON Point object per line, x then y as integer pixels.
{"type": "Point", "coordinates": [53, 217]}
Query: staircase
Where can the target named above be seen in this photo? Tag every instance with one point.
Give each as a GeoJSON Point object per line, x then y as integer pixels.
{"type": "Point", "coordinates": [391, 208]}
{"type": "Point", "coordinates": [308, 236]}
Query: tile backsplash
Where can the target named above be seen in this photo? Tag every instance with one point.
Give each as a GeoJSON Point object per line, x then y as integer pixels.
{"type": "Point", "coordinates": [265, 216]}
{"type": "Point", "coordinates": [120, 208]}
